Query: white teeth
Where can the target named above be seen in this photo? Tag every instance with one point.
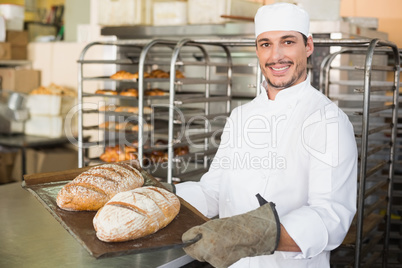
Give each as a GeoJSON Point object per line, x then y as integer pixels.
{"type": "Point", "coordinates": [280, 69]}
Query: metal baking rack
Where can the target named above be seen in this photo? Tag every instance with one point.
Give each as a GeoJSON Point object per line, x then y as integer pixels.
{"type": "Point", "coordinates": [365, 92]}
{"type": "Point", "coordinates": [203, 76]}
{"type": "Point", "coordinates": [89, 115]}
{"type": "Point", "coordinates": [190, 96]}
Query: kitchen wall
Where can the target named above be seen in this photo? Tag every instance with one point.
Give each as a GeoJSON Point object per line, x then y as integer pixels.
{"type": "Point", "coordinates": [388, 13]}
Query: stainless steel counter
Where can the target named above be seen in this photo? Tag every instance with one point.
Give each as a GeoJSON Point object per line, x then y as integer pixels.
{"type": "Point", "coordinates": [31, 237]}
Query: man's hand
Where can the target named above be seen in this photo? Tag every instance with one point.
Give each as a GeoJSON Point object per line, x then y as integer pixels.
{"type": "Point", "coordinates": [225, 241]}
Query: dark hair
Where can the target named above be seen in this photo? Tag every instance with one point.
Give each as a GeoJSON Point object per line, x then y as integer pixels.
{"type": "Point", "coordinates": [304, 39]}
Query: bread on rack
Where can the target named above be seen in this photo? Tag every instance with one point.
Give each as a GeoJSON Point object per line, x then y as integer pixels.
{"type": "Point", "coordinates": [116, 153]}
{"type": "Point", "coordinates": [130, 92]}
{"type": "Point", "coordinates": [134, 110]}
{"type": "Point", "coordinates": [126, 109]}
{"type": "Point", "coordinates": [154, 92]}
{"type": "Point", "coordinates": [129, 126]}
{"type": "Point", "coordinates": [106, 92]}
{"type": "Point", "coordinates": [157, 156]}
{"type": "Point", "coordinates": [108, 125]}
{"type": "Point", "coordinates": [183, 150]}
{"type": "Point", "coordinates": [146, 127]}
{"type": "Point", "coordinates": [124, 75]}
{"type": "Point", "coordinates": [124, 126]}
{"type": "Point", "coordinates": [161, 156]}
{"type": "Point", "coordinates": [107, 108]}
{"type": "Point", "coordinates": [90, 190]}
{"type": "Point", "coordinates": [113, 154]}
{"type": "Point", "coordinates": [136, 213]}
{"type": "Point", "coordinates": [179, 74]}
{"type": "Point", "coordinates": [130, 153]}
{"type": "Point", "coordinates": [158, 73]}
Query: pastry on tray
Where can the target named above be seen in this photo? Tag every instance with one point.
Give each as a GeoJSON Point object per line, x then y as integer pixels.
{"type": "Point", "coordinates": [106, 92]}
{"type": "Point", "coordinates": [124, 75]}
{"type": "Point", "coordinates": [117, 153]}
{"type": "Point", "coordinates": [130, 92]}
{"type": "Point", "coordinates": [107, 108]}
{"type": "Point", "coordinates": [158, 73]}
{"type": "Point", "coordinates": [130, 109]}
{"type": "Point", "coordinates": [154, 92]}
{"type": "Point", "coordinates": [179, 74]}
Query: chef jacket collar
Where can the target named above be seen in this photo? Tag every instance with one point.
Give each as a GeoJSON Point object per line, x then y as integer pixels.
{"type": "Point", "coordinates": [286, 95]}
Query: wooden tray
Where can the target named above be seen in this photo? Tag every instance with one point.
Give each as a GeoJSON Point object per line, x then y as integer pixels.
{"type": "Point", "coordinates": [45, 187]}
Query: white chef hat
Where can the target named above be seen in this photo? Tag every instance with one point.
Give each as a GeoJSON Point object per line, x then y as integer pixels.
{"type": "Point", "coordinates": [281, 17]}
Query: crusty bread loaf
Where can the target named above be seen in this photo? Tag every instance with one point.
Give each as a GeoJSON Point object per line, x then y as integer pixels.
{"type": "Point", "coordinates": [136, 213]}
{"type": "Point", "coordinates": [93, 188]}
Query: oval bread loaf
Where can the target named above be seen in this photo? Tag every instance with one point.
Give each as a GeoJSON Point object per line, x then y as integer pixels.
{"type": "Point", "coordinates": [136, 213]}
{"type": "Point", "coordinates": [93, 188]}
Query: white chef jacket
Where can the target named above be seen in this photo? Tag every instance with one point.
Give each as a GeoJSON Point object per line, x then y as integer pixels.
{"type": "Point", "coordinates": [298, 152]}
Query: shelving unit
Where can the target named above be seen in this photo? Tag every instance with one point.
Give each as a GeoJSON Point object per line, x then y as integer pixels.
{"type": "Point", "coordinates": [86, 108]}
{"type": "Point", "coordinates": [372, 107]}
{"type": "Point", "coordinates": [207, 99]}
{"type": "Point", "coordinates": [182, 116]}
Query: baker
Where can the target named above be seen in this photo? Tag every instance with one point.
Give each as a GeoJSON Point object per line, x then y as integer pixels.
{"type": "Point", "coordinates": [283, 181]}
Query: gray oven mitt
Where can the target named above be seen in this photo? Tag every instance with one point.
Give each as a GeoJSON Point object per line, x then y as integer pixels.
{"type": "Point", "coordinates": [227, 240]}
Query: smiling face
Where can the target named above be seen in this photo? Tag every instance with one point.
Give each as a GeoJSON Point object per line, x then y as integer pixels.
{"type": "Point", "coordinates": [283, 59]}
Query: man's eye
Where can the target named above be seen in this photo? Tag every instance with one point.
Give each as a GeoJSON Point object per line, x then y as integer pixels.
{"type": "Point", "coordinates": [265, 45]}
{"type": "Point", "coordinates": [288, 42]}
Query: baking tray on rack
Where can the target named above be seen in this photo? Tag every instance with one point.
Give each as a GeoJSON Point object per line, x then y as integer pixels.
{"type": "Point", "coordinates": [45, 186]}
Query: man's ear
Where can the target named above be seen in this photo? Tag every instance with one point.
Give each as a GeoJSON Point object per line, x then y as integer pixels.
{"type": "Point", "coordinates": [309, 46]}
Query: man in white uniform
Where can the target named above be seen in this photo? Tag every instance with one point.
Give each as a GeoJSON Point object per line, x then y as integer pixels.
{"type": "Point", "coordinates": [290, 146]}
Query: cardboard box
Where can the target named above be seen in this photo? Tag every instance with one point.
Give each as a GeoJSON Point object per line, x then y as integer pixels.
{"type": "Point", "coordinates": [7, 160]}
{"type": "Point", "coordinates": [320, 10]}
{"type": "Point", "coordinates": [13, 15]}
{"type": "Point", "coordinates": [50, 105]}
{"type": "Point", "coordinates": [19, 52]}
{"type": "Point", "coordinates": [124, 12]}
{"type": "Point", "coordinates": [210, 11]}
{"type": "Point", "coordinates": [20, 80]}
{"type": "Point", "coordinates": [5, 51]}
{"type": "Point", "coordinates": [40, 160]}
{"type": "Point", "coordinates": [45, 126]}
{"type": "Point", "coordinates": [170, 13]}
{"type": "Point", "coordinates": [19, 42]}
{"type": "Point", "coordinates": [18, 38]}
{"type": "Point", "coordinates": [56, 159]}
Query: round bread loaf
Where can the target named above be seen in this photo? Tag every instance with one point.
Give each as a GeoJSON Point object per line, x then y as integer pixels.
{"type": "Point", "coordinates": [93, 188]}
{"type": "Point", "coordinates": [136, 213]}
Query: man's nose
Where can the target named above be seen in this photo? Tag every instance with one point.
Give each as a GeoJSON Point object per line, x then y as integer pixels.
{"type": "Point", "coordinates": [276, 53]}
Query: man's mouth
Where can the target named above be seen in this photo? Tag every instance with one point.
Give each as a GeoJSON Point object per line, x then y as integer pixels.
{"type": "Point", "coordinates": [278, 69]}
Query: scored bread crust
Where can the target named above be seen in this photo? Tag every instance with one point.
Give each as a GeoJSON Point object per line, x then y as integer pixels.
{"type": "Point", "coordinates": [91, 189]}
{"type": "Point", "coordinates": [136, 213]}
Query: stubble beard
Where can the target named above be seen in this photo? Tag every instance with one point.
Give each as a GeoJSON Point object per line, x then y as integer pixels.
{"type": "Point", "coordinates": [299, 72]}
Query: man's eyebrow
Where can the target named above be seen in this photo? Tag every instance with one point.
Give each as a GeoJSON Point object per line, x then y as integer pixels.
{"type": "Point", "coordinates": [262, 40]}
{"type": "Point", "coordinates": [289, 36]}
